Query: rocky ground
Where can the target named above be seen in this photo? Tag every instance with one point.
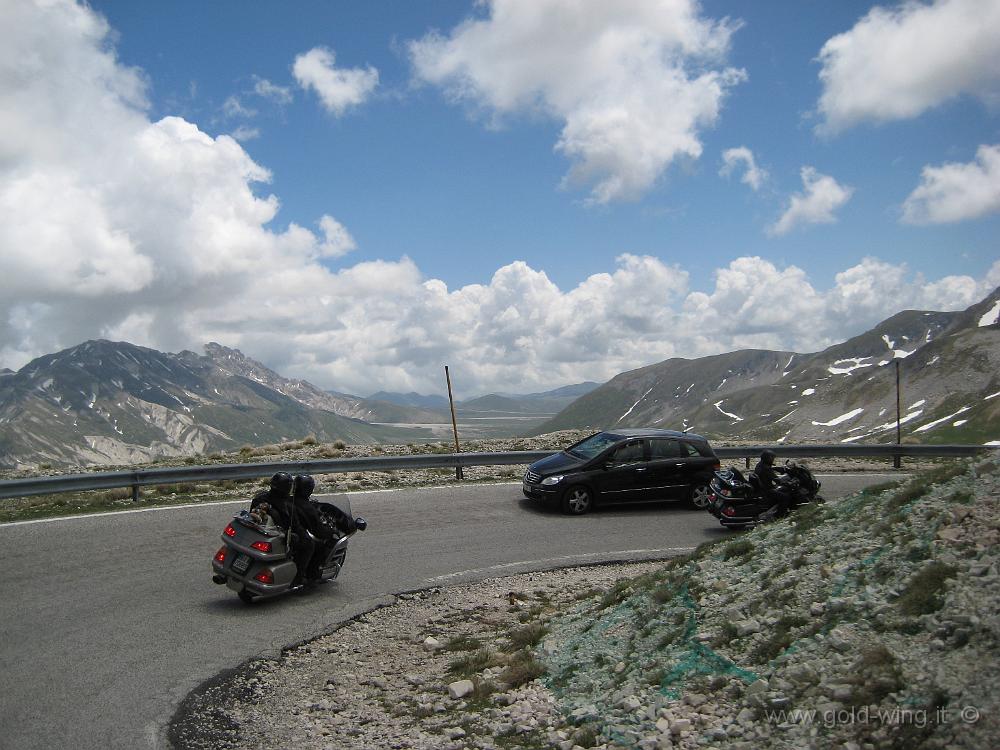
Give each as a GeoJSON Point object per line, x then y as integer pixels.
{"type": "Point", "coordinates": [867, 623]}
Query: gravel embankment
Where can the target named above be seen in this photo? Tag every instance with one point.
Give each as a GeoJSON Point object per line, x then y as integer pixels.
{"type": "Point", "coordinates": [867, 623]}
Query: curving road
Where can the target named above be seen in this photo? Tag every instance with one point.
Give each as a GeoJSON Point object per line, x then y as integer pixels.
{"type": "Point", "coordinates": [108, 621]}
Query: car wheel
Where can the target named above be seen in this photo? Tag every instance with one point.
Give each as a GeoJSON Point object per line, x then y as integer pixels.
{"type": "Point", "coordinates": [699, 496]}
{"type": "Point", "coordinates": [577, 500]}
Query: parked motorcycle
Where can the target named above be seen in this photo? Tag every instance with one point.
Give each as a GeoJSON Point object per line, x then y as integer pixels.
{"type": "Point", "coordinates": [255, 560]}
{"type": "Point", "coordinates": [738, 501]}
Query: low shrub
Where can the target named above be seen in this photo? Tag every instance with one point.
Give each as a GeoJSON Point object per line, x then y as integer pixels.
{"type": "Point", "coordinates": [527, 636]}
{"type": "Point", "coordinates": [463, 643]}
{"type": "Point", "coordinates": [924, 592]}
{"type": "Point", "coordinates": [742, 548]}
{"type": "Point", "coordinates": [473, 663]}
{"type": "Point", "coordinates": [522, 670]}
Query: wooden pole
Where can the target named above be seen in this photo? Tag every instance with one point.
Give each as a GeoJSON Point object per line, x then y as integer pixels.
{"type": "Point", "coordinates": [897, 459]}
{"type": "Point", "coordinates": [454, 424]}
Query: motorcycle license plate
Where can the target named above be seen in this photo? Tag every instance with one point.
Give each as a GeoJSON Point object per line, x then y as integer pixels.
{"type": "Point", "coordinates": [242, 563]}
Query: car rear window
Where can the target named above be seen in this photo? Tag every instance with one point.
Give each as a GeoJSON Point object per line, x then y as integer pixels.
{"type": "Point", "coordinates": [699, 449]}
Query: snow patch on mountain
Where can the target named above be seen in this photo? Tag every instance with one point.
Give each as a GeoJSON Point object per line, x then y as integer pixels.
{"type": "Point", "coordinates": [853, 363]}
{"type": "Point", "coordinates": [718, 405]}
{"type": "Point", "coordinates": [634, 405]}
{"type": "Point", "coordinates": [841, 419]}
{"type": "Point", "coordinates": [990, 317]}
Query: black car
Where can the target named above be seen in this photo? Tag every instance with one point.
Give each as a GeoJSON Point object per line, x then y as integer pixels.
{"type": "Point", "coordinates": [632, 465]}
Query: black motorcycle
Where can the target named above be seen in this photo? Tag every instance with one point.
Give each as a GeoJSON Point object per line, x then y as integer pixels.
{"type": "Point", "coordinates": [738, 501]}
{"type": "Point", "coordinates": [256, 561]}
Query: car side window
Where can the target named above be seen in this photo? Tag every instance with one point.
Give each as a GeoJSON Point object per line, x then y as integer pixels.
{"type": "Point", "coordinates": [689, 450]}
{"type": "Point", "coordinates": [660, 448]}
{"type": "Point", "coordinates": [629, 453]}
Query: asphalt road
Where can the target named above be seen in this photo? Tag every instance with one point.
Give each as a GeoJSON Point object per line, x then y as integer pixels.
{"type": "Point", "coordinates": [107, 622]}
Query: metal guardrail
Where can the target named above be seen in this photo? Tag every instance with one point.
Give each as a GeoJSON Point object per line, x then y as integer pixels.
{"type": "Point", "coordinates": [222, 472]}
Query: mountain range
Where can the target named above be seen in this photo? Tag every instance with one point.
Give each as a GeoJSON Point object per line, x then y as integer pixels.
{"type": "Point", "coordinates": [950, 387]}
{"type": "Point", "coordinates": [113, 402]}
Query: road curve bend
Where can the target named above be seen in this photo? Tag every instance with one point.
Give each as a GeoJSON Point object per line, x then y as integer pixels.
{"type": "Point", "coordinates": [108, 621]}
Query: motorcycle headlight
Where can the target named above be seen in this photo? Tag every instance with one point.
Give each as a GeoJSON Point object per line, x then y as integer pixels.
{"type": "Point", "coordinates": [553, 480]}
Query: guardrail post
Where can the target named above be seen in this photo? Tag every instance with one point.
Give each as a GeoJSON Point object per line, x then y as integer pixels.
{"type": "Point", "coordinates": [135, 488]}
{"type": "Point", "coordinates": [897, 461]}
{"type": "Point", "coordinates": [747, 458]}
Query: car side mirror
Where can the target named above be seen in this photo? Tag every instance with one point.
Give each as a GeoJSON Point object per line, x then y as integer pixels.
{"type": "Point", "coordinates": [360, 523]}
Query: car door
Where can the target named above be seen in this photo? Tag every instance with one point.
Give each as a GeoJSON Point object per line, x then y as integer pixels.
{"type": "Point", "coordinates": [696, 469]}
{"type": "Point", "coordinates": [666, 469]}
{"type": "Point", "coordinates": [623, 473]}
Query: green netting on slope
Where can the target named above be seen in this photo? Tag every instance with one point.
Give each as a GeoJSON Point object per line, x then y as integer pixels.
{"type": "Point", "coordinates": [696, 658]}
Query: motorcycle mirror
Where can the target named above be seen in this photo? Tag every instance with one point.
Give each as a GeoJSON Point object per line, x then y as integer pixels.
{"type": "Point", "coordinates": [360, 523]}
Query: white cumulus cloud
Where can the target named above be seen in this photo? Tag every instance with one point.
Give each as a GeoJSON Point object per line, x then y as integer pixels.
{"type": "Point", "coordinates": [632, 82]}
{"type": "Point", "coordinates": [956, 192]}
{"type": "Point", "coordinates": [337, 240]}
{"type": "Point", "coordinates": [898, 62]}
{"type": "Point", "coordinates": [822, 196]}
{"type": "Point", "coordinates": [278, 94]}
{"type": "Point", "coordinates": [339, 89]}
{"type": "Point", "coordinates": [735, 158]}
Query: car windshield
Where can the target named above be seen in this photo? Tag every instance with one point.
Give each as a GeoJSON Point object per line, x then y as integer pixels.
{"type": "Point", "coordinates": [592, 446]}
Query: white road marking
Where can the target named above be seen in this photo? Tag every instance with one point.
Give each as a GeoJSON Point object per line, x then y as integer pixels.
{"type": "Point", "coordinates": [561, 558]}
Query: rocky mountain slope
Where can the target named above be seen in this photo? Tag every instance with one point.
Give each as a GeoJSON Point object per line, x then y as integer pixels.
{"type": "Point", "coordinates": [949, 365]}
{"type": "Point", "coordinates": [108, 402]}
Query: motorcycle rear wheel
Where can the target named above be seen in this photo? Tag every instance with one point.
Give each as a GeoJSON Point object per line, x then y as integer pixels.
{"type": "Point", "coordinates": [246, 597]}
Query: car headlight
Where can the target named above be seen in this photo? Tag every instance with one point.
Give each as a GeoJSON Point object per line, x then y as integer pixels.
{"type": "Point", "coordinates": [553, 480]}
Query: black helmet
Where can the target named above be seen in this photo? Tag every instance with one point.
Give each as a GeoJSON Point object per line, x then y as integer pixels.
{"type": "Point", "coordinates": [304, 485]}
{"type": "Point", "coordinates": [768, 457]}
{"type": "Point", "coordinates": [281, 484]}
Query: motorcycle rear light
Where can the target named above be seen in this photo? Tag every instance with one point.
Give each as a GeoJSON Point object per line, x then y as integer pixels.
{"type": "Point", "coordinates": [265, 576]}
{"type": "Point", "coordinates": [718, 466]}
{"type": "Point", "coordinates": [230, 531]}
{"type": "Point", "coordinates": [262, 546]}
{"type": "Point", "coordinates": [729, 511]}
{"type": "Point", "coordinates": [220, 556]}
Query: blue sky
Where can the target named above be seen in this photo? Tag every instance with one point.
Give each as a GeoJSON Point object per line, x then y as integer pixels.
{"type": "Point", "coordinates": [451, 168]}
{"type": "Point", "coordinates": [409, 173]}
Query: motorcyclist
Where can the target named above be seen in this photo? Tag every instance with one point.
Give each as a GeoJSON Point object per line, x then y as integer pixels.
{"type": "Point", "coordinates": [768, 473]}
{"type": "Point", "coordinates": [309, 555]}
{"type": "Point", "coordinates": [277, 498]}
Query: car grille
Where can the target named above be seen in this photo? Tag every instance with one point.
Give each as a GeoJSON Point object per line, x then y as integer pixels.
{"type": "Point", "coordinates": [531, 477]}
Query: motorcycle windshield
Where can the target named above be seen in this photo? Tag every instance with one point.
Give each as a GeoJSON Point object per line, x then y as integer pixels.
{"type": "Point", "coordinates": [341, 501]}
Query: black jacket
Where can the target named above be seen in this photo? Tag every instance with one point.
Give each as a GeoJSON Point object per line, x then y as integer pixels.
{"type": "Point", "coordinates": [307, 515]}
{"type": "Point", "coordinates": [767, 475]}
